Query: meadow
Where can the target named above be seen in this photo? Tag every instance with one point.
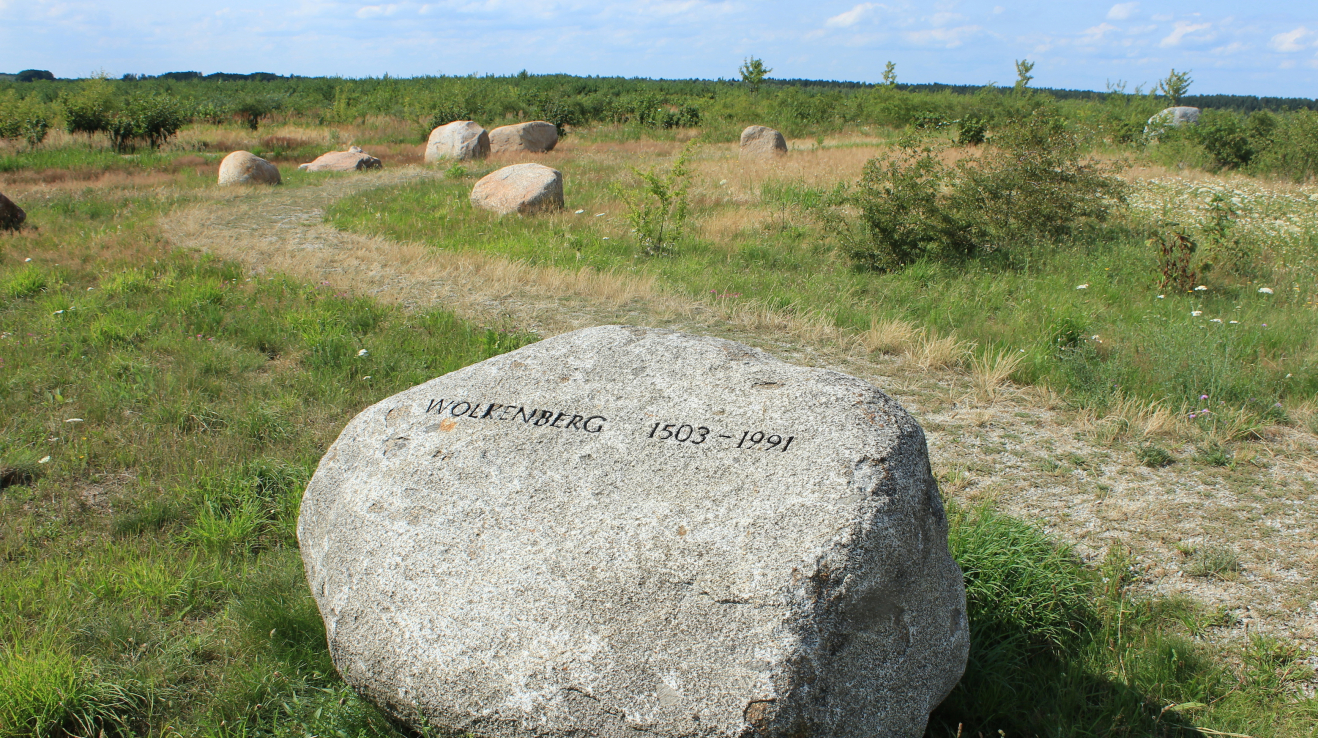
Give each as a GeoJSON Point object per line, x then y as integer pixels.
{"type": "Point", "coordinates": [163, 408]}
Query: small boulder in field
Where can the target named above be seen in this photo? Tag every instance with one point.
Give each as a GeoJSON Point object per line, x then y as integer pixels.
{"type": "Point", "coordinates": [244, 167]}
{"type": "Point", "coordinates": [461, 140]}
{"type": "Point", "coordinates": [1174, 118]}
{"type": "Point", "coordinates": [760, 142]}
{"type": "Point", "coordinates": [352, 160]}
{"type": "Point", "coordinates": [11, 215]}
{"type": "Point", "coordinates": [535, 137]}
{"type": "Point", "coordinates": [626, 531]}
{"type": "Point", "coordinates": [520, 188]}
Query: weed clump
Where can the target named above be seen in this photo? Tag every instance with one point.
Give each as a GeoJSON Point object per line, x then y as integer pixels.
{"type": "Point", "coordinates": [1154, 456]}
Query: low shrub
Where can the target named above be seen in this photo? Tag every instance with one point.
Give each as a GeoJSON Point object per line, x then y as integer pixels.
{"type": "Point", "coordinates": [1031, 183]}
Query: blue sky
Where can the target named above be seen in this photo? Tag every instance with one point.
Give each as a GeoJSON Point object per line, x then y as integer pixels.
{"type": "Point", "coordinates": [1264, 48]}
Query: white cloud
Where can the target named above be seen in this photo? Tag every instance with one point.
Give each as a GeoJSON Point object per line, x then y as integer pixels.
{"type": "Point", "coordinates": [1181, 30]}
{"type": "Point", "coordinates": [1096, 34]}
{"type": "Point", "coordinates": [942, 19]}
{"type": "Point", "coordinates": [376, 11]}
{"type": "Point", "coordinates": [948, 38]}
{"type": "Point", "coordinates": [1234, 47]}
{"type": "Point", "coordinates": [1290, 40]}
{"type": "Point", "coordinates": [1122, 11]}
{"type": "Point", "coordinates": [851, 17]}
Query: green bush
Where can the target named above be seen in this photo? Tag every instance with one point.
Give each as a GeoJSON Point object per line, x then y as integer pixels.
{"type": "Point", "coordinates": [152, 120]}
{"type": "Point", "coordinates": [1224, 136]}
{"type": "Point", "coordinates": [658, 209]}
{"type": "Point", "coordinates": [1032, 183]}
{"type": "Point", "coordinates": [1293, 147]}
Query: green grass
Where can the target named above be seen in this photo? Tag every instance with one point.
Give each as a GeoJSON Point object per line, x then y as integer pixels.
{"type": "Point", "coordinates": [176, 604]}
{"type": "Point", "coordinates": [149, 577]}
{"type": "Point", "coordinates": [1115, 336]}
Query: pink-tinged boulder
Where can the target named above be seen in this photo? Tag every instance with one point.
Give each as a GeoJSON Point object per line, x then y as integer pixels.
{"type": "Point", "coordinates": [352, 160]}
{"type": "Point", "coordinates": [520, 188]}
{"type": "Point", "coordinates": [461, 140]}
{"type": "Point", "coordinates": [244, 167]}
{"type": "Point", "coordinates": [759, 142]}
{"type": "Point", "coordinates": [535, 137]}
{"type": "Point", "coordinates": [11, 215]}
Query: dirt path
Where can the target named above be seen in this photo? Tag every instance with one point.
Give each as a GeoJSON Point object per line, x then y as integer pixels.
{"type": "Point", "coordinates": [1023, 452]}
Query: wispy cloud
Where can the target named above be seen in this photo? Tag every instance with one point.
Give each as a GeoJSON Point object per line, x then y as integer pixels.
{"type": "Point", "coordinates": [1289, 41]}
{"type": "Point", "coordinates": [853, 16]}
{"type": "Point", "coordinates": [1122, 11]}
{"type": "Point", "coordinates": [1180, 31]}
{"type": "Point", "coordinates": [1095, 35]}
{"type": "Point", "coordinates": [948, 38]}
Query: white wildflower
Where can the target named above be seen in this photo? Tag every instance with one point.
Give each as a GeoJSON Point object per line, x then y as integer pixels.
{"type": "Point", "coordinates": [1200, 288]}
{"type": "Point", "coordinates": [1216, 320]}
{"type": "Point", "coordinates": [44, 459]}
{"type": "Point", "coordinates": [1266, 290]}
{"type": "Point", "coordinates": [362, 352]}
{"type": "Point", "coordinates": [1082, 286]}
{"type": "Point", "coordinates": [73, 420]}
{"type": "Point", "coordinates": [1196, 313]}
{"type": "Point", "coordinates": [579, 212]}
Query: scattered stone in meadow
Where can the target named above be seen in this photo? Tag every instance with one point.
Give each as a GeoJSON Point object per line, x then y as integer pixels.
{"type": "Point", "coordinates": [624, 529]}
{"type": "Point", "coordinates": [1174, 118]}
{"type": "Point", "coordinates": [520, 188]}
{"type": "Point", "coordinates": [11, 215]}
{"type": "Point", "coordinates": [535, 137]}
{"type": "Point", "coordinates": [244, 167]}
{"type": "Point", "coordinates": [760, 142]}
{"type": "Point", "coordinates": [461, 140]}
{"type": "Point", "coordinates": [352, 160]}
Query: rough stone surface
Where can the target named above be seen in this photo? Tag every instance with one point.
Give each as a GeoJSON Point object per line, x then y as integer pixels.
{"type": "Point", "coordinates": [461, 140]}
{"type": "Point", "coordinates": [244, 167]}
{"type": "Point", "coordinates": [11, 215]}
{"type": "Point", "coordinates": [1175, 117]}
{"type": "Point", "coordinates": [352, 160]}
{"type": "Point", "coordinates": [520, 188]}
{"type": "Point", "coordinates": [622, 529]}
{"type": "Point", "coordinates": [759, 142]}
{"type": "Point", "coordinates": [535, 137]}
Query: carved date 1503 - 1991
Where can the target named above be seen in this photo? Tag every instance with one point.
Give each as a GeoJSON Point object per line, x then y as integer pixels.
{"type": "Point", "coordinates": [696, 435]}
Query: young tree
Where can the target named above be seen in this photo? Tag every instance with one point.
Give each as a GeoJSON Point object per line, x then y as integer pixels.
{"type": "Point", "coordinates": [1175, 86]}
{"type": "Point", "coordinates": [890, 75]}
{"type": "Point", "coordinates": [753, 72]}
{"type": "Point", "coordinates": [1023, 76]}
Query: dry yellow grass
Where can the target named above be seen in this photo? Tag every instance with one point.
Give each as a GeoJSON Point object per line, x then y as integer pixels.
{"type": "Point", "coordinates": [990, 371]}
{"type": "Point", "coordinates": [890, 336]}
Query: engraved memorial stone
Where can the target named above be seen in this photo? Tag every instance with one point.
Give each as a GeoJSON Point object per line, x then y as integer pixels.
{"type": "Point", "coordinates": [624, 530]}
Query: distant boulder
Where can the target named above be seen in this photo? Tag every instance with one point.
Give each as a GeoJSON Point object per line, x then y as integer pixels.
{"type": "Point", "coordinates": [461, 140]}
{"type": "Point", "coordinates": [1173, 118]}
{"type": "Point", "coordinates": [535, 137]}
{"type": "Point", "coordinates": [244, 167]}
{"type": "Point", "coordinates": [520, 188]}
{"type": "Point", "coordinates": [11, 215]}
{"type": "Point", "coordinates": [352, 160]}
{"type": "Point", "coordinates": [759, 142]}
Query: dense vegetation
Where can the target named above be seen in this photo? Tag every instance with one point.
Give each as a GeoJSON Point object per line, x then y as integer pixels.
{"type": "Point", "coordinates": [147, 110]}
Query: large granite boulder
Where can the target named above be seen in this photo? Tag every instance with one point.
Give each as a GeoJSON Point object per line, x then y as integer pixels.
{"type": "Point", "coordinates": [535, 137]}
{"type": "Point", "coordinates": [1174, 118]}
{"type": "Point", "coordinates": [244, 167]}
{"type": "Point", "coordinates": [625, 529]}
{"type": "Point", "coordinates": [520, 188]}
{"type": "Point", "coordinates": [461, 140]}
{"type": "Point", "coordinates": [352, 160]}
{"type": "Point", "coordinates": [759, 142]}
{"type": "Point", "coordinates": [11, 215]}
